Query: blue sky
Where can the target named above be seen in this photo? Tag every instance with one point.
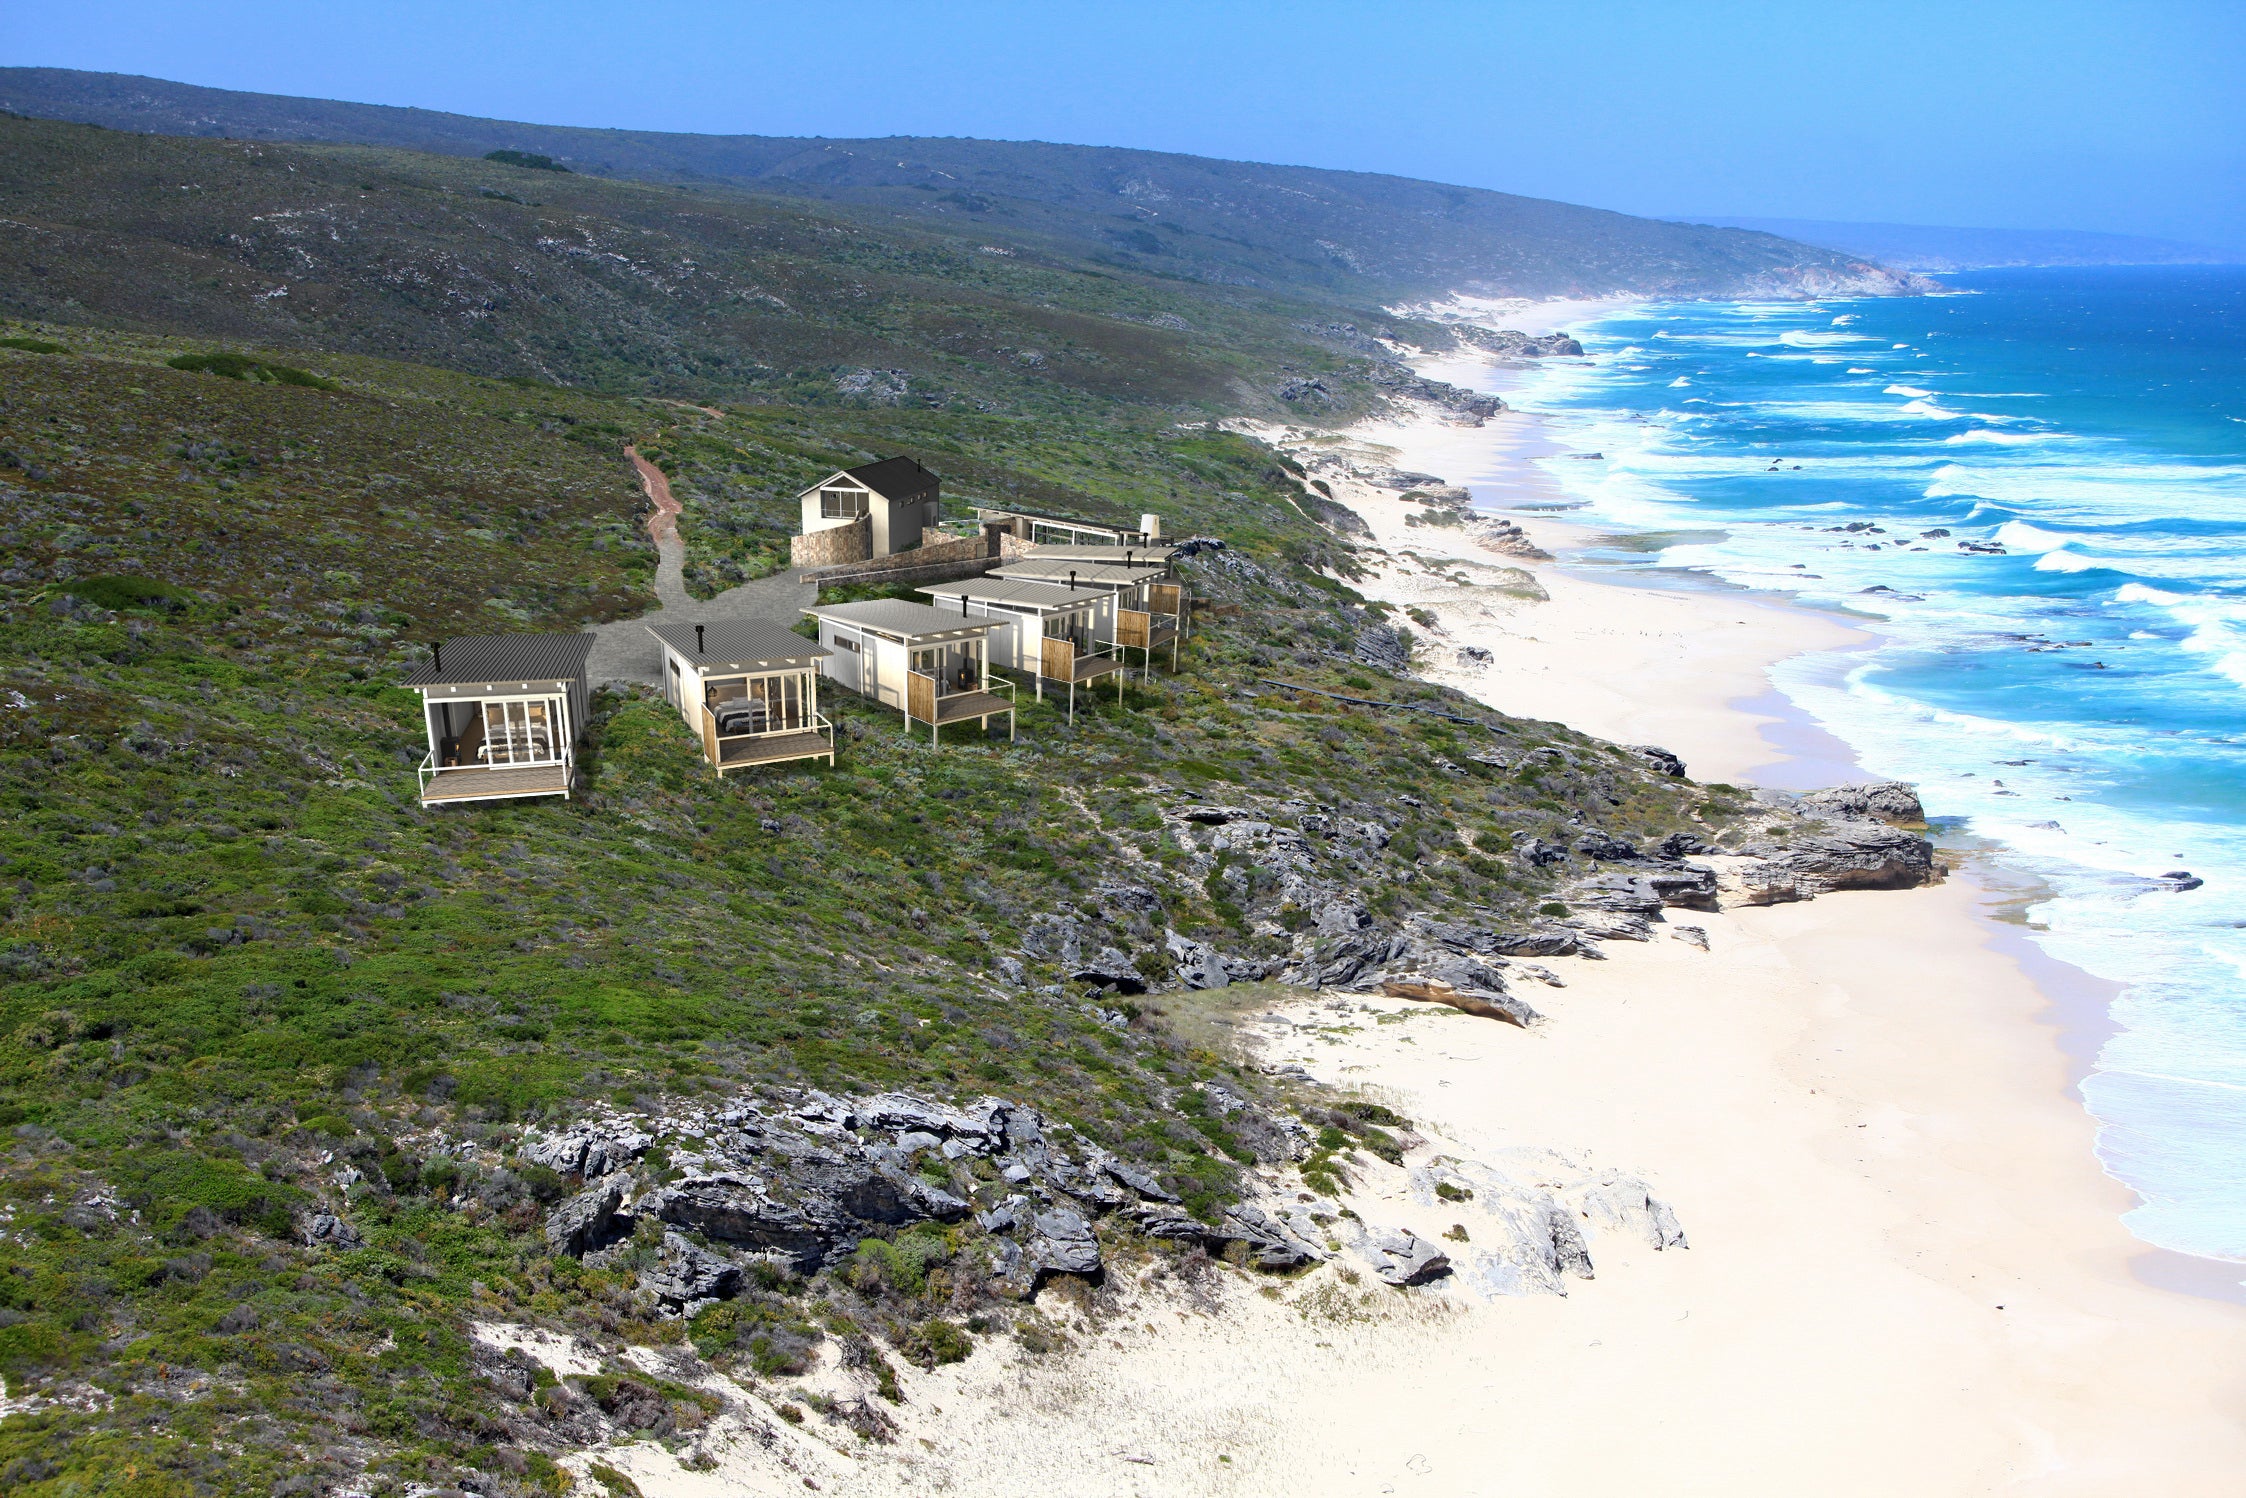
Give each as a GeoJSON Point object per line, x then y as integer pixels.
{"type": "Point", "coordinates": [2128, 117]}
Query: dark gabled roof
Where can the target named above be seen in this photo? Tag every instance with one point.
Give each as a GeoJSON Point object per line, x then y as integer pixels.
{"type": "Point", "coordinates": [894, 616]}
{"type": "Point", "coordinates": [473, 660]}
{"type": "Point", "coordinates": [728, 644]}
{"type": "Point", "coordinates": [895, 478]}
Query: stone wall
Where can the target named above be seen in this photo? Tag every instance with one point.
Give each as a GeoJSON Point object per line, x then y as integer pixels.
{"type": "Point", "coordinates": [962, 552]}
{"type": "Point", "coordinates": [833, 547]}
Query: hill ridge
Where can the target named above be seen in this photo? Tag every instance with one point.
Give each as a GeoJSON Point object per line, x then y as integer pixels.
{"type": "Point", "coordinates": [1262, 225]}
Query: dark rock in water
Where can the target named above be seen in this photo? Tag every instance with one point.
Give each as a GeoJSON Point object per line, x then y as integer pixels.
{"type": "Point", "coordinates": [1892, 801]}
{"type": "Point", "coordinates": [1661, 759]}
{"type": "Point", "coordinates": [686, 1272]}
{"type": "Point", "coordinates": [1982, 548]}
{"type": "Point", "coordinates": [587, 1220]}
{"type": "Point", "coordinates": [1401, 1257]}
{"type": "Point", "coordinates": [2182, 879]}
{"type": "Point", "coordinates": [1937, 534]}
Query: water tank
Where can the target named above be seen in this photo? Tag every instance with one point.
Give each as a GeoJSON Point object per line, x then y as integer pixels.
{"type": "Point", "coordinates": [1152, 525]}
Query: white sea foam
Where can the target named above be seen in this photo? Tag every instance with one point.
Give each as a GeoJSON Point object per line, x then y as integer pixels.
{"type": "Point", "coordinates": [1678, 381]}
{"type": "Point", "coordinates": [2063, 560]}
{"type": "Point", "coordinates": [1910, 390]}
{"type": "Point", "coordinates": [1986, 437]}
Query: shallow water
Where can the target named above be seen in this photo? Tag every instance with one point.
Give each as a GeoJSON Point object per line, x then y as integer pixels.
{"type": "Point", "coordinates": [2078, 700]}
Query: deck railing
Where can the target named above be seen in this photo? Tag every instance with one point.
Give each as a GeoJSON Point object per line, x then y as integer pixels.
{"type": "Point", "coordinates": [429, 769]}
{"type": "Point", "coordinates": [803, 722]}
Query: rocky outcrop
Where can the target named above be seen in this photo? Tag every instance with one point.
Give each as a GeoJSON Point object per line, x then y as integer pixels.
{"type": "Point", "coordinates": [1467, 407]}
{"type": "Point", "coordinates": [1660, 759]}
{"type": "Point", "coordinates": [1890, 801]}
{"type": "Point", "coordinates": [1507, 539]}
{"type": "Point", "coordinates": [1511, 344]}
{"type": "Point", "coordinates": [1483, 1002]}
{"type": "Point", "coordinates": [1401, 1257]}
{"type": "Point", "coordinates": [1840, 855]}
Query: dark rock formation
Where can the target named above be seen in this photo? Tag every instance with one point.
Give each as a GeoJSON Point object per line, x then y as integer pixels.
{"type": "Point", "coordinates": [1661, 759]}
{"type": "Point", "coordinates": [1890, 801]}
{"type": "Point", "coordinates": [1401, 1257]}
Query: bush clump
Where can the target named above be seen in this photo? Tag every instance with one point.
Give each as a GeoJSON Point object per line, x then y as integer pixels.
{"type": "Point", "coordinates": [529, 159]}
{"type": "Point", "coordinates": [243, 367]}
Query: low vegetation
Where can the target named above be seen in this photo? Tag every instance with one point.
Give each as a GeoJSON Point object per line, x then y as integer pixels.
{"type": "Point", "coordinates": [245, 979]}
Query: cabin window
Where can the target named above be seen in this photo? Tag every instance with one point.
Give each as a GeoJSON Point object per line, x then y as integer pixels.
{"type": "Point", "coordinates": [841, 504]}
{"type": "Point", "coordinates": [761, 704]}
{"type": "Point", "coordinates": [492, 733]}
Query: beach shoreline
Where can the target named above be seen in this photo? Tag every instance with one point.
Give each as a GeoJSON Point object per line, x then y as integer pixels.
{"type": "Point", "coordinates": [1906, 1272]}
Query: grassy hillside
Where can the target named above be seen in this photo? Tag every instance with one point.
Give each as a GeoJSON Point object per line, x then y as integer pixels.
{"type": "Point", "coordinates": [1357, 236]}
{"type": "Point", "coordinates": [236, 951]}
{"type": "Point", "coordinates": [509, 271]}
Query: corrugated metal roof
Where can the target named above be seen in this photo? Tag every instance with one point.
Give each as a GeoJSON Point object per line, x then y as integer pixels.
{"type": "Point", "coordinates": [472, 660]}
{"type": "Point", "coordinates": [1039, 595]}
{"type": "Point", "coordinates": [730, 643]}
{"type": "Point", "coordinates": [896, 617]}
{"type": "Point", "coordinates": [1087, 573]}
{"type": "Point", "coordinates": [1153, 554]}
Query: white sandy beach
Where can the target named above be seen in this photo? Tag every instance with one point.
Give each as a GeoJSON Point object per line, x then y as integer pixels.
{"type": "Point", "coordinates": [1906, 1272]}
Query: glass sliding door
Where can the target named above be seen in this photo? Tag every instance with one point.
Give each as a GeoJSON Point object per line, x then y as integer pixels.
{"type": "Point", "coordinates": [521, 731]}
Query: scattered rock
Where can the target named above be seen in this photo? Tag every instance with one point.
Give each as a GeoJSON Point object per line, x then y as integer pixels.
{"type": "Point", "coordinates": [1487, 1003]}
{"type": "Point", "coordinates": [1661, 759]}
{"type": "Point", "coordinates": [1401, 1257]}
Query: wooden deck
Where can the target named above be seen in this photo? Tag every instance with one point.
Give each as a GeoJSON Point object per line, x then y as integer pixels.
{"type": "Point", "coordinates": [772, 749]}
{"type": "Point", "coordinates": [476, 783]}
{"type": "Point", "coordinates": [961, 705]}
{"type": "Point", "coordinates": [1089, 668]}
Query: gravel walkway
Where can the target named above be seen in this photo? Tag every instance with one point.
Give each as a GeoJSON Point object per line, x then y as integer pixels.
{"type": "Point", "coordinates": [624, 651]}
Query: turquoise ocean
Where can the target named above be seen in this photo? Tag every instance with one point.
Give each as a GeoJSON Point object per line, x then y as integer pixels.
{"type": "Point", "coordinates": [2032, 490]}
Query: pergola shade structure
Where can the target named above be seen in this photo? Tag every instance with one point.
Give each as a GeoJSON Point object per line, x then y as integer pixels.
{"type": "Point", "coordinates": [932, 666]}
{"type": "Point", "coordinates": [1149, 602]}
{"type": "Point", "coordinates": [749, 689]}
{"type": "Point", "coordinates": [502, 713]}
{"type": "Point", "coordinates": [1047, 631]}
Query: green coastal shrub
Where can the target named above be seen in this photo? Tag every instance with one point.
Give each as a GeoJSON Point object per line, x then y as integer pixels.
{"type": "Point", "coordinates": [127, 592]}
{"type": "Point", "coordinates": [530, 159]}
{"type": "Point", "coordinates": [243, 367]}
{"type": "Point", "coordinates": [33, 345]}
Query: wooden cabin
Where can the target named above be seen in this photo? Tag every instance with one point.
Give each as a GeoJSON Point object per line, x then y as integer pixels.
{"type": "Point", "coordinates": [931, 665]}
{"type": "Point", "coordinates": [503, 714]}
{"type": "Point", "coordinates": [896, 498]}
{"type": "Point", "coordinates": [1048, 631]}
{"type": "Point", "coordinates": [1149, 601]}
{"type": "Point", "coordinates": [749, 689]}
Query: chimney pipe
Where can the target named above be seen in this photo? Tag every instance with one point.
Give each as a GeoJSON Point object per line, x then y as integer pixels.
{"type": "Point", "coordinates": [697, 639]}
{"type": "Point", "coordinates": [437, 654]}
{"type": "Point", "coordinates": [963, 604]}
{"type": "Point", "coordinates": [1072, 579]}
